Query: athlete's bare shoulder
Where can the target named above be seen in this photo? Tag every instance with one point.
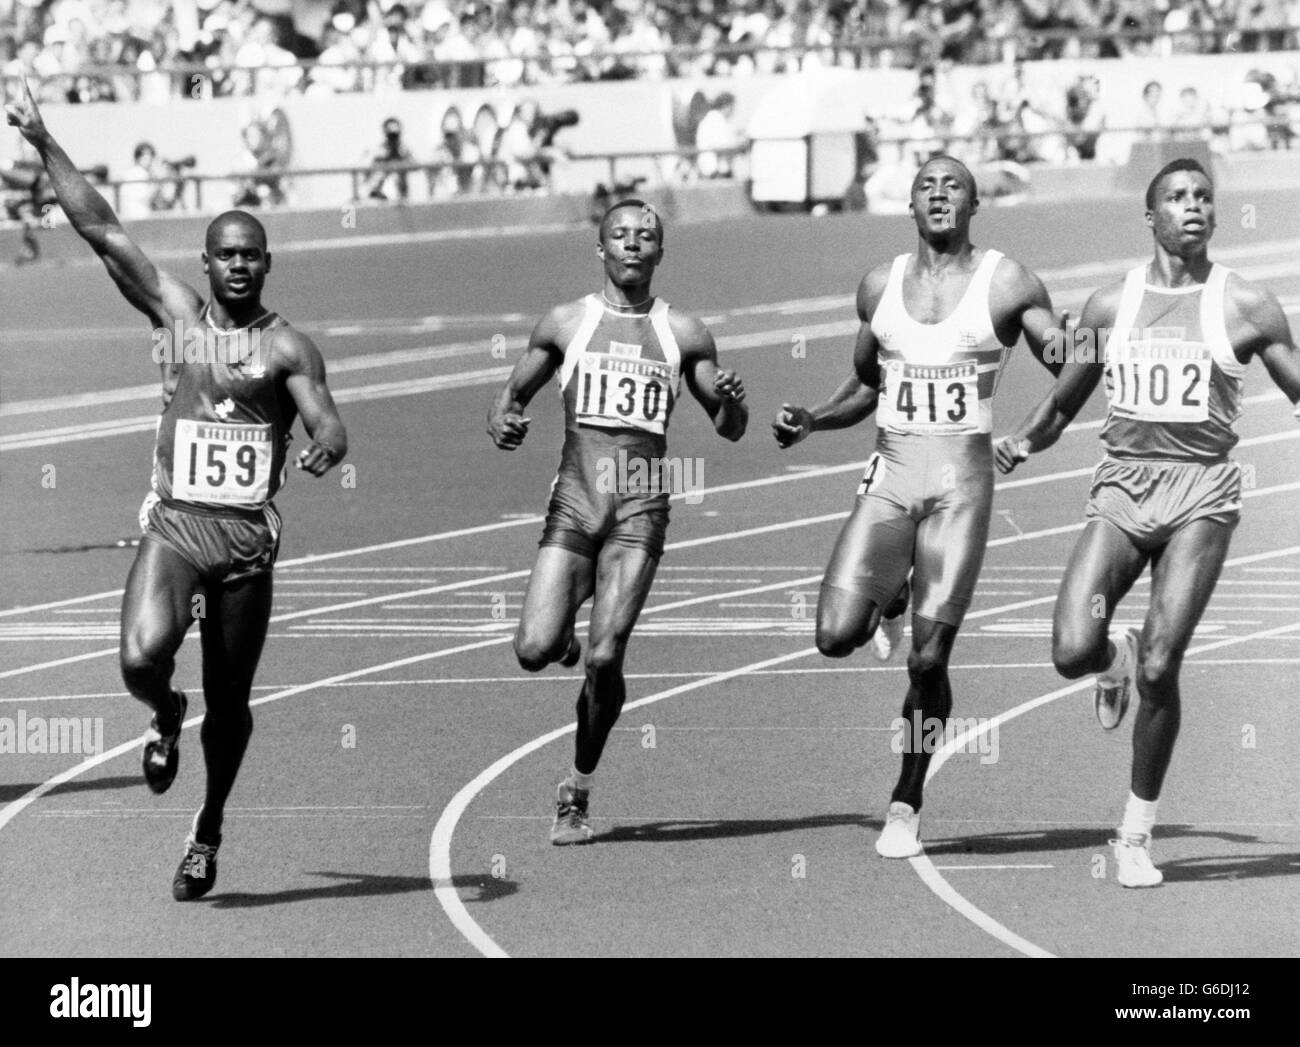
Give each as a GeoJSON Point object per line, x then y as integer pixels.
{"type": "Point", "coordinates": [292, 352]}
{"type": "Point", "coordinates": [691, 334]}
{"type": "Point", "coordinates": [1253, 316]}
{"type": "Point", "coordinates": [1103, 305]}
{"type": "Point", "coordinates": [1016, 285]}
{"type": "Point", "coordinates": [556, 329]}
{"type": "Point", "coordinates": [872, 289]}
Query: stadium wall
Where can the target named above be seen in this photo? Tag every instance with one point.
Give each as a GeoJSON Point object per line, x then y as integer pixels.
{"type": "Point", "coordinates": [627, 116]}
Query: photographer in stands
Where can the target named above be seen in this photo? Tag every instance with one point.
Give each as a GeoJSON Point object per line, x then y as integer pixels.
{"type": "Point", "coordinates": [392, 152]}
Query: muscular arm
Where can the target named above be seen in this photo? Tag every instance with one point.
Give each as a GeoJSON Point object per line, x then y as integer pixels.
{"type": "Point", "coordinates": [856, 397]}
{"type": "Point", "coordinates": [1020, 297]}
{"type": "Point", "coordinates": [156, 294]}
{"type": "Point", "coordinates": [305, 379]}
{"type": "Point", "coordinates": [1257, 314]}
{"type": "Point", "coordinates": [506, 424]}
{"type": "Point", "coordinates": [1075, 383]}
{"type": "Point", "coordinates": [720, 392]}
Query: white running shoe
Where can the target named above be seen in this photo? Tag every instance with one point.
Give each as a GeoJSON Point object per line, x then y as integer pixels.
{"type": "Point", "coordinates": [1133, 859]}
{"type": "Point", "coordinates": [901, 836]}
{"type": "Point", "coordinates": [887, 637]}
{"type": "Point", "coordinates": [1110, 699]}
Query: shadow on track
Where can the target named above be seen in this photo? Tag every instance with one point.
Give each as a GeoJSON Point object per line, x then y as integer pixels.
{"type": "Point", "coordinates": [361, 885]}
{"type": "Point", "coordinates": [78, 785]}
{"type": "Point", "coordinates": [676, 832]}
{"type": "Point", "coordinates": [1067, 839]}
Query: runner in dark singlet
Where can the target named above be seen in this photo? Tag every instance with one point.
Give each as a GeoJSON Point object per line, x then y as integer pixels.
{"type": "Point", "coordinates": [1182, 331]}
{"type": "Point", "coordinates": [210, 527]}
{"type": "Point", "coordinates": [620, 357]}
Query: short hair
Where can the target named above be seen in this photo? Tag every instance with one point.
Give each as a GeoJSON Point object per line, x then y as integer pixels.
{"type": "Point", "coordinates": [1150, 84]}
{"type": "Point", "coordinates": [143, 147]}
{"type": "Point", "coordinates": [970, 178]}
{"type": "Point", "coordinates": [1183, 163]}
{"type": "Point", "coordinates": [226, 218]}
{"type": "Point", "coordinates": [644, 207]}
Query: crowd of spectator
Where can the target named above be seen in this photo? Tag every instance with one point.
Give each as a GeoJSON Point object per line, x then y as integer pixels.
{"type": "Point", "coordinates": [88, 50]}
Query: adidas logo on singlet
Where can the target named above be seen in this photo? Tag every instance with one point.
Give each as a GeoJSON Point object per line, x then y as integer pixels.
{"type": "Point", "coordinates": [224, 409]}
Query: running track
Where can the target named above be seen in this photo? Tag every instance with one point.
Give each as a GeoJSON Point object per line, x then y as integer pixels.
{"type": "Point", "coordinates": [742, 791]}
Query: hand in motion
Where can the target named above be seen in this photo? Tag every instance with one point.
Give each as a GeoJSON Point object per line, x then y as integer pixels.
{"type": "Point", "coordinates": [1010, 452]}
{"type": "Point", "coordinates": [24, 115]}
{"type": "Point", "coordinates": [508, 430]}
{"type": "Point", "coordinates": [316, 459]}
{"type": "Point", "coordinates": [727, 384]}
{"type": "Point", "coordinates": [792, 424]}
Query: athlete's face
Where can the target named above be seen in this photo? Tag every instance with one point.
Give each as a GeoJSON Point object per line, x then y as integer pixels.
{"type": "Point", "coordinates": [1183, 216]}
{"type": "Point", "coordinates": [631, 245]}
{"type": "Point", "coordinates": [236, 262]}
{"type": "Point", "coordinates": [943, 199]}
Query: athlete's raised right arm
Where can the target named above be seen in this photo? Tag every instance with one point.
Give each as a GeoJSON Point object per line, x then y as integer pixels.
{"type": "Point", "coordinates": [156, 294]}
{"type": "Point", "coordinates": [1075, 383]}
{"type": "Point", "coordinates": [506, 422]}
{"type": "Point", "coordinates": [855, 398]}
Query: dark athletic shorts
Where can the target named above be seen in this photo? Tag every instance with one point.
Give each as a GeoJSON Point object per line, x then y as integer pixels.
{"type": "Point", "coordinates": [223, 546]}
{"type": "Point", "coordinates": [596, 498]}
{"type": "Point", "coordinates": [1151, 500]}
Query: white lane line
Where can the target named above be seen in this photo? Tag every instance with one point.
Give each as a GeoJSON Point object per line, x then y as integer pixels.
{"type": "Point", "coordinates": [929, 873]}
{"type": "Point", "coordinates": [440, 869]}
{"type": "Point", "coordinates": [440, 872]}
{"type": "Point", "coordinates": [16, 806]}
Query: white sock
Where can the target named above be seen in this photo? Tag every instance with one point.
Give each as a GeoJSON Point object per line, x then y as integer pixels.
{"type": "Point", "coordinates": [578, 780]}
{"type": "Point", "coordinates": [1139, 816]}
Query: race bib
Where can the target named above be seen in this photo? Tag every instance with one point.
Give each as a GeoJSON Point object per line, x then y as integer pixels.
{"type": "Point", "coordinates": [1159, 379]}
{"type": "Point", "coordinates": [229, 464]}
{"type": "Point", "coordinates": [926, 399]}
{"type": "Point", "coordinates": [623, 390]}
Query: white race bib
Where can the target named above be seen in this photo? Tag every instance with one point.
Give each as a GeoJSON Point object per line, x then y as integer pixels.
{"type": "Point", "coordinates": [920, 398]}
{"type": "Point", "coordinates": [225, 463]}
{"type": "Point", "coordinates": [624, 391]}
{"type": "Point", "coordinates": [1158, 379]}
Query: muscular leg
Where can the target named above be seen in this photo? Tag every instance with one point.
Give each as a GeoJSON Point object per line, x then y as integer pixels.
{"type": "Point", "coordinates": [848, 614]}
{"type": "Point", "coordinates": [560, 582]}
{"type": "Point", "coordinates": [624, 574]}
{"type": "Point", "coordinates": [929, 699]}
{"type": "Point", "coordinates": [156, 613]}
{"type": "Point", "coordinates": [233, 633]}
{"type": "Point", "coordinates": [1182, 582]}
{"type": "Point", "coordinates": [1102, 569]}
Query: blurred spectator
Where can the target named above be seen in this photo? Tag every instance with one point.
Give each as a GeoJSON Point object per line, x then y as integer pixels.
{"type": "Point", "coordinates": [136, 200]}
{"type": "Point", "coordinates": [717, 132]}
{"type": "Point", "coordinates": [455, 147]}
{"type": "Point", "coordinates": [390, 152]}
{"type": "Point", "coordinates": [1149, 119]}
{"type": "Point", "coordinates": [1083, 118]}
{"type": "Point", "coordinates": [1190, 120]}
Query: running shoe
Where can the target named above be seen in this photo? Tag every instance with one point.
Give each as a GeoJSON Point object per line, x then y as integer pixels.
{"type": "Point", "coordinates": [901, 836]}
{"type": "Point", "coordinates": [1133, 860]}
{"type": "Point", "coordinates": [162, 751]}
{"type": "Point", "coordinates": [197, 873]}
{"type": "Point", "coordinates": [887, 637]}
{"type": "Point", "coordinates": [1110, 700]}
{"type": "Point", "coordinates": [571, 824]}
